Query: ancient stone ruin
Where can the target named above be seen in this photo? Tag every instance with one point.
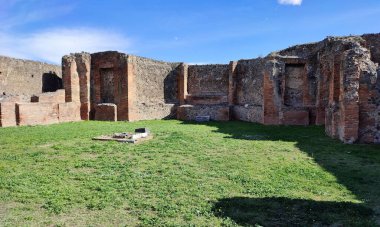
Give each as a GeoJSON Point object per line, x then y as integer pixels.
{"type": "Point", "coordinates": [334, 83]}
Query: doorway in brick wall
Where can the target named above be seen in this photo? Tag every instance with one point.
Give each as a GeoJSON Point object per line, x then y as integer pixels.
{"type": "Point", "coordinates": [294, 83]}
{"type": "Point", "coordinates": [107, 85]}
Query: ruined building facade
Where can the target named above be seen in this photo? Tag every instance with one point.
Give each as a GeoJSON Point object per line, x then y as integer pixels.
{"type": "Point", "coordinates": [334, 83]}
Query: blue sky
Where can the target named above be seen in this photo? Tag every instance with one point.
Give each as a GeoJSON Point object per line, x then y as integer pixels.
{"type": "Point", "coordinates": [194, 31]}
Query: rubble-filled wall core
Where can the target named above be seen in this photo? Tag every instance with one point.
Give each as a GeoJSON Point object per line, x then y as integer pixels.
{"type": "Point", "coordinates": [207, 93]}
{"type": "Point", "coordinates": [156, 88]}
{"type": "Point", "coordinates": [334, 83]}
{"type": "Point", "coordinates": [208, 80]}
{"type": "Point", "coordinates": [345, 91]}
{"type": "Point", "coordinates": [248, 90]}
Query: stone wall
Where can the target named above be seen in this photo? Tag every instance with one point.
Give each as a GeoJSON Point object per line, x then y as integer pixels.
{"type": "Point", "coordinates": [156, 86]}
{"type": "Point", "coordinates": [248, 89]}
{"type": "Point", "coordinates": [204, 80]}
{"type": "Point", "coordinates": [215, 112]}
{"type": "Point", "coordinates": [372, 43]}
{"type": "Point", "coordinates": [24, 77]}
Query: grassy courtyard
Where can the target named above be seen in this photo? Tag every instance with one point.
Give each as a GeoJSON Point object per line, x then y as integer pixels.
{"type": "Point", "coordinates": [212, 174]}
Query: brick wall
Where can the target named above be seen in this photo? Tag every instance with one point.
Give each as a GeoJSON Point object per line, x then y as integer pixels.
{"type": "Point", "coordinates": [36, 113]}
{"type": "Point", "coordinates": [109, 81]}
{"type": "Point", "coordinates": [7, 114]}
{"type": "Point", "coordinates": [69, 112]}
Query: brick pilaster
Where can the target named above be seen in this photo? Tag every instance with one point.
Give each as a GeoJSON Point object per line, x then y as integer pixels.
{"type": "Point", "coordinates": [182, 83]}
{"type": "Point", "coordinates": [231, 82]}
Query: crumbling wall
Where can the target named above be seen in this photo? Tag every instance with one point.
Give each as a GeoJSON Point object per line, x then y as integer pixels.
{"type": "Point", "coordinates": [156, 86]}
{"type": "Point", "coordinates": [347, 81]}
{"type": "Point", "coordinates": [206, 91]}
{"type": "Point", "coordinates": [57, 97]}
{"type": "Point", "coordinates": [273, 91]}
{"type": "Point", "coordinates": [372, 43]}
{"type": "Point", "coordinates": [248, 89]}
{"type": "Point", "coordinates": [24, 77]}
{"type": "Point", "coordinates": [369, 99]}
{"type": "Point", "coordinates": [204, 80]}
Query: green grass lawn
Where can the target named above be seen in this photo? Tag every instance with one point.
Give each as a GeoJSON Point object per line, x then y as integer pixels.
{"type": "Point", "coordinates": [231, 173]}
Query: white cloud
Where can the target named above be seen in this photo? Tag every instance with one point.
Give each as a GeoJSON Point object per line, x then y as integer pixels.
{"type": "Point", "coordinates": [50, 45]}
{"type": "Point", "coordinates": [290, 2]}
{"type": "Point", "coordinates": [15, 13]}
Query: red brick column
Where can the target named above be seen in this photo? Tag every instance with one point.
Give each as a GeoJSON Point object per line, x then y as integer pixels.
{"type": "Point", "coordinates": [349, 122]}
{"type": "Point", "coordinates": [132, 112]}
{"type": "Point", "coordinates": [83, 62]}
{"type": "Point", "coordinates": [367, 108]}
{"type": "Point", "coordinates": [182, 83]}
{"type": "Point", "coordinates": [271, 112]}
{"type": "Point", "coordinates": [231, 82]}
{"type": "Point", "coordinates": [70, 79]}
{"type": "Point", "coordinates": [307, 100]}
{"type": "Point", "coordinates": [348, 96]}
{"type": "Point", "coordinates": [323, 91]}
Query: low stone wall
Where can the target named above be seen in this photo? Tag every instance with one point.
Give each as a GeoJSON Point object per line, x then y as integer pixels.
{"type": "Point", "coordinates": [248, 113]}
{"type": "Point", "coordinates": [69, 111]}
{"type": "Point", "coordinates": [106, 112]}
{"type": "Point", "coordinates": [36, 113]}
{"type": "Point", "coordinates": [295, 117]}
{"type": "Point", "coordinates": [207, 99]}
{"type": "Point", "coordinates": [48, 97]}
{"type": "Point", "coordinates": [155, 111]}
{"type": "Point", "coordinates": [41, 109]}
{"type": "Point", "coordinates": [216, 112]}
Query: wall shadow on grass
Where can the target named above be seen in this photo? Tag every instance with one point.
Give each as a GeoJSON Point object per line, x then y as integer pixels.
{"type": "Point", "coordinates": [356, 166]}
{"type": "Point", "coordinates": [290, 212]}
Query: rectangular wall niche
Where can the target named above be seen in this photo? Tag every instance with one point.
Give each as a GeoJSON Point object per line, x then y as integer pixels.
{"type": "Point", "coordinates": [294, 84]}
{"type": "Point", "coordinates": [107, 82]}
